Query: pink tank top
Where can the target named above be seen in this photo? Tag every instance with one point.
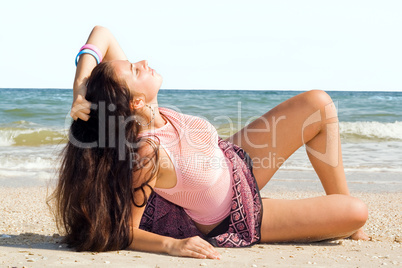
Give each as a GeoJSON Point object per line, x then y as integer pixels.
{"type": "Point", "coordinates": [204, 184]}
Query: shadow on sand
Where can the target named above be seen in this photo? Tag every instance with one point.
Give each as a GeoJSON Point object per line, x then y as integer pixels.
{"type": "Point", "coordinates": [38, 241]}
{"type": "Point", "coordinates": [33, 241]}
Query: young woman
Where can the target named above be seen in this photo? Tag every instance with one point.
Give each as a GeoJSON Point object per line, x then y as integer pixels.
{"type": "Point", "coordinates": [138, 176]}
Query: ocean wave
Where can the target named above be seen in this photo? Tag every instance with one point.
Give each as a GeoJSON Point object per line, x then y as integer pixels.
{"type": "Point", "coordinates": [370, 131]}
{"type": "Point", "coordinates": [23, 133]}
{"type": "Point", "coordinates": [28, 161]}
{"type": "Point", "coordinates": [29, 164]}
{"type": "Point", "coordinates": [351, 132]}
{"type": "Point", "coordinates": [386, 98]}
{"type": "Point", "coordinates": [356, 168]}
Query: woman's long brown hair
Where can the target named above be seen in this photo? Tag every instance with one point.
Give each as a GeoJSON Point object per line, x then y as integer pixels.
{"type": "Point", "coordinates": [94, 197]}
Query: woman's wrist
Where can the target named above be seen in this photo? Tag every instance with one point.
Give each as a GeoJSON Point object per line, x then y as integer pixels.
{"type": "Point", "coordinates": [168, 245]}
{"type": "Point", "coordinates": [79, 87]}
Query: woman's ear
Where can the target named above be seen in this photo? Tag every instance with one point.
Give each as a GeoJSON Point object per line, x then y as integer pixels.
{"type": "Point", "coordinates": [136, 104]}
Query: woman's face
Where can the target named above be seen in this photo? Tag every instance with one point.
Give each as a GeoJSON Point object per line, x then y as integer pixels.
{"type": "Point", "coordinates": [140, 78]}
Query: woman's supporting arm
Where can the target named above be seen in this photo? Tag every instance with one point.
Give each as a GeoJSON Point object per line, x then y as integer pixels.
{"type": "Point", "coordinates": [103, 39]}
{"type": "Point", "coordinates": [195, 247]}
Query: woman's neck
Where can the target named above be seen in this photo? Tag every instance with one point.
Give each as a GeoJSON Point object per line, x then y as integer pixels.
{"type": "Point", "coordinates": [158, 120]}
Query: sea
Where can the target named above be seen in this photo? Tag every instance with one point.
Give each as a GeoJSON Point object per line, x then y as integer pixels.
{"type": "Point", "coordinates": [34, 125]}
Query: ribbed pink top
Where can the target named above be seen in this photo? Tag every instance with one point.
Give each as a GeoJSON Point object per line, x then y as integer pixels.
{"type": "Point", "coordinates": [203, 174]}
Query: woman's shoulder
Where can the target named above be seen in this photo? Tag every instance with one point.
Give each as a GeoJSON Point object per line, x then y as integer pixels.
{"type": "Point", "coordinates": [175, 116]}
{"type": "Point", "coordinates": [148, 155]}
{"type": "Point", "coordinates": [178, 116]}
{"type": "Point", "coordinates": [170, 112]}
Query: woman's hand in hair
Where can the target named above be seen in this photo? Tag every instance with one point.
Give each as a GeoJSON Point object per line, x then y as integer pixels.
{"type": "Point", "coordinates": [195, 247]}
{"type": "Point", "coordinates": [104, 40]}
{"type": "Point", "coordinates": [80, 108]}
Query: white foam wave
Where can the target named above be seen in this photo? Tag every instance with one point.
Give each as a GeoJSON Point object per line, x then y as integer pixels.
{"type": "Point", "coordinates": [25, 134]}
{"type": "Point", "coordinates": [29, 163]}
{"type": "Point", "coordinates": [363, 157]}
{"type": "Point", "coordinates": [362, 168]}
{"type": "Point", "coordinates": [29, 134]}
{"type": "Point", "coordinates": [5, 139]}
{"type": "Point", "coordinates": [377, 131]}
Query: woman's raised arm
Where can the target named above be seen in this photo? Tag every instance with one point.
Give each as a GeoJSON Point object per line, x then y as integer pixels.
{"type": "Point", "coordinates": [103, 39]}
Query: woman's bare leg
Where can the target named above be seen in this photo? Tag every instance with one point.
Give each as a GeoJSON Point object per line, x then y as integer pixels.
{"type": "Point", "coordinates": [312, 219]}
{"type": "Point", "coordinates": [309, 118]}
{"type": "Point", "coordinates": [272, 138]}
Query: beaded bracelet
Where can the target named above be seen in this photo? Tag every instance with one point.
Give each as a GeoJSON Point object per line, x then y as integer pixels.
{"type": "Point", "coordinates": [87, 51]}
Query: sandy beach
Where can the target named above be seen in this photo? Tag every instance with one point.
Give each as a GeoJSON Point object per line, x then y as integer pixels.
{"type": "Point", "coordinates": [32, 130]}
{"type": "Point", "coordinates": [29, 238]}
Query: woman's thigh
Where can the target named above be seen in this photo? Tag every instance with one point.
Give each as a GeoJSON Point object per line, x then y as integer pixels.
{"type": "Point", "coordinates": [312, 219]}
{"type": "Point", "coordinates": [273, 137]}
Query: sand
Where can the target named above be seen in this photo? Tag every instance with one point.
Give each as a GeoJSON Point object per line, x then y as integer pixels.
{"type": "Point", "coordinates": [29, 238]}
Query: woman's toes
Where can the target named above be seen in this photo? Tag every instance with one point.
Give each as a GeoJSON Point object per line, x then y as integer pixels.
{"type": "Point", "coordinates": [360, 235]}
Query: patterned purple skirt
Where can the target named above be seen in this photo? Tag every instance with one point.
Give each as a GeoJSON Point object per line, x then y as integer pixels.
{"type": "Point", "coordinates": [165, 218]}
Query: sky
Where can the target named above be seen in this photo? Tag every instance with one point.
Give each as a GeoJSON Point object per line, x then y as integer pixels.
{"type": "Point", "coordinates": [260, 45]}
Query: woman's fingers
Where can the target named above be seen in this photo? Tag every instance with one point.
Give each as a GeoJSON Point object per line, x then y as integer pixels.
{"type": "Point", "coordinates": [80, 109]}
{"type": "Point", "coordinates": [208, 251]}
{"type": "Point", "coordinates": [82, 115]}
{"type": "Point", "coordinates": [80, 112]}
{"type": "Point", "coordinates": [195, 247]}
{"type": "Point", "coordinates": [202, 249]}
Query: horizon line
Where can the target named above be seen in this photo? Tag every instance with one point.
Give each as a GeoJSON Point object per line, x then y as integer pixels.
{"type": "Point", "coordinates": [206, 89]}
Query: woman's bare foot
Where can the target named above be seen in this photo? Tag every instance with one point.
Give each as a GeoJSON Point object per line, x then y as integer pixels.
{"type": "Point", "coordinates": [360, 235]}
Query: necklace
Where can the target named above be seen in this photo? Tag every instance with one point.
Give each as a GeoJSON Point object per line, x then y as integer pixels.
{"type": "Point", "coordinates": [153, 117]}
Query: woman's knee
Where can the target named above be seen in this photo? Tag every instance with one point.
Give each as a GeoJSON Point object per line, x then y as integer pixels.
{"type": "Point", "coordinates": [357, 212]}
{"type": "Point", "coordinates": [318, 99]}
{"type": "Point", "coordinates": [320, 102]}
